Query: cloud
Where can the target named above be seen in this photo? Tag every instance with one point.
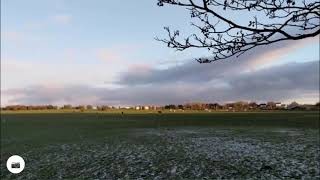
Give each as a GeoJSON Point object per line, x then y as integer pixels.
{"type": "Point", "coordinates": [230, 80]}
{"type": "Point", "coordinates": [192, 71]}
{"type": "Point", "coordinates": [11, 35]}
{"type": "Point", "coordinates": [15, 38]}
{"type": "Point", "coordinates": [280, 50]}
{"type": "Point", "coordinates": [116, 53]}
{"type": "Point", "coordinates": [61, 18]}
{"type": "Point", "coordinates": [56, 19]}
{"type": "Point", "coordinates": [74, 94]}
{"type": "Point", "coordinates": [108, 54]}
{"type": "Point", "coordinates": [23, 73]}
{"type": "Point", "coordinates": [278, 83]}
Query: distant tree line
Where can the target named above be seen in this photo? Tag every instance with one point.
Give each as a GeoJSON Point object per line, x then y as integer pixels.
{"type": "Point", "coordinates": [52, 107]}
{"type": "Point", "coordinates": [242, 106]}
{"type": "Point", "coordinates": [235, 106]}
{"type": "Point", "coordinates": [27, 107]}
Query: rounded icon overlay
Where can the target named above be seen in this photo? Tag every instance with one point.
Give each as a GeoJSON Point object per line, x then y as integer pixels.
{"type": "Point", "coordinates": [15, 164]}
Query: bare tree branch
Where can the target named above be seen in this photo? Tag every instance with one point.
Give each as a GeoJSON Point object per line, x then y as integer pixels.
{"type": "Point", "coordinates": [270, 21]}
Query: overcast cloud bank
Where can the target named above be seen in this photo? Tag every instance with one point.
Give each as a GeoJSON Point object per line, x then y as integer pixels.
{"type": "Point", "coordinates": [249, 78]}
{"type": "Point", "coordinates": [278, 83]}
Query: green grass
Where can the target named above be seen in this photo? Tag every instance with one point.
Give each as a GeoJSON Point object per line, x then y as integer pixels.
{"type": "Point", "coordinates": [37, 129]}
{"type": "Point", "coordinates": [23, 133]}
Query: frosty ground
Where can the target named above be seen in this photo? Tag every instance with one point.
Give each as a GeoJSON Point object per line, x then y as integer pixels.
{"type": "Point", "coordinates": [160, 150]}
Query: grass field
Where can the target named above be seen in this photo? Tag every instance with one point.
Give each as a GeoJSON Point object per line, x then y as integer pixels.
{"type": "Point", "coordinates": [262, 145]}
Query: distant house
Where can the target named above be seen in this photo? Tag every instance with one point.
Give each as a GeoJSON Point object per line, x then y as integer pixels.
{"type": "Point", "coordinates": [293, 106]}
{"type": "Point", "coordinates": [284, 106]}
{"type": "Point", "coordinates": [296, 108]}
{"type": "Point", "coordinates": [229, 106]}
{"type": "Point", "coordinates": [301, 107]}
{"type": "Point", "coordinates": [137, 108]}
{"type": "Point", "coordinates": [308, 107]}
{"type": "Point", "coordinates": [253, 105]}
{"type": "Point", "coordinates": [278, 105]}
{"type": "Point", "coordinates": [146, 107]}
{"type": "Point", "coordinates": [263, 106]}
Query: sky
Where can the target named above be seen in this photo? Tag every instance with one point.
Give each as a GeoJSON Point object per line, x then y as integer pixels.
{"type": "Point", "coordinates": [104, 52]}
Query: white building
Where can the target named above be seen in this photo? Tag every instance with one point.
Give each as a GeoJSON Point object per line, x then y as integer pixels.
{"type": "Point", "coordinates": [278, 104]}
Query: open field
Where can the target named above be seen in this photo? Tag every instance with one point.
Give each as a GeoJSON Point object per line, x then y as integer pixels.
{"type": "Point", "coordinates": [264, 145]}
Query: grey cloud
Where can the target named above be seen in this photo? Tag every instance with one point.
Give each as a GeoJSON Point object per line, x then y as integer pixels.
{"type": "Point", "coordinates": [277, 83]}
{"type": "Point", "coordinates": [282, 82]}
{"type": "Point", "coordinates": [195, 72]}
{"type": "Point", "coordinates": [70, 94]}
{"type": "Point", "coordinates": [228, 80]}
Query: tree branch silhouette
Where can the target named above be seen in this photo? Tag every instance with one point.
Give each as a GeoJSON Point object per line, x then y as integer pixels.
{"type": "Point", "coordinates": [269, 21]}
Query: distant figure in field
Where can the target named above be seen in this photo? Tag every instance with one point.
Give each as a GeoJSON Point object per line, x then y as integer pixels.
{"type": "Point", "coordinates": [159, 112]}
{"type": "Point", "coordinates": [122, 112]}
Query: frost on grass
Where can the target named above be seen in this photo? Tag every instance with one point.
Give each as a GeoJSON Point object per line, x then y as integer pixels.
{"type": "Point", "coordinates": [181, 153]}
